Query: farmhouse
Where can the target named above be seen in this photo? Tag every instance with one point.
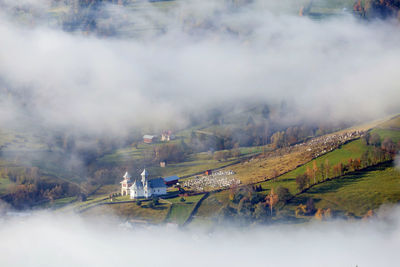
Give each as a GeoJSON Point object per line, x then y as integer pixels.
{"type": "Point", "coordinates": [167, 136]}
{"type": "Point", "coordinates": [147, 188]}
{"type": "Point", "coordinates": [149, 139]}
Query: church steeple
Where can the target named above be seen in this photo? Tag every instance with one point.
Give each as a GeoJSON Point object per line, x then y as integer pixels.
{"type": "Point", "coordinates": [144, 175]}
{"type": "Point", "coordinates": [125, 184]}
{"type": "Point", "coordinates": [127, 176]}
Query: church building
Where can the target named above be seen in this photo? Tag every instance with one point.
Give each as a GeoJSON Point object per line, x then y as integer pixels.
{"type": "Point", "coordinates": [126, 184]}
{"type": "Point", "coordinates": [143, 187]}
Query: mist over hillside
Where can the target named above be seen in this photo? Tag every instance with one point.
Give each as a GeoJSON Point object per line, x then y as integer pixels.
{"type": "Point", "coordinates": [80, 79]}
{"type": "Point", "coordinates": [252, 101]}
{"type": "Point", "coordinates": [206, 56]}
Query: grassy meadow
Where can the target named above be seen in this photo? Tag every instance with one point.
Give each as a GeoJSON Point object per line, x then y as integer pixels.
{"type": "Point", "coordinates": [180, 211]}
{"type": "Point", "coordinates": [210, 206]}
{"type": "Point", "coordinates": [353, 193]}
{"type": "Point", "coordinates": [356, 193]}
{"type": "Point", "coordinates": [132, 211]}
{"type": "Point", "coordinates": [260, 169]}
{"type": "Point", "coordinates": [192, 164]}
{"type": "Point", "coordinates": [169, 210]}
{"type": "Point", "coordinates": [351, 150]}
{"type": "Point", "coordinates": [348, 151]}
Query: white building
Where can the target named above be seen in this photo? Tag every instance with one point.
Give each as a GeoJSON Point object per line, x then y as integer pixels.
{"type": "Point", "coordinates": [147, 188]}
{"type": "Point", "coordinates": [126, 184]}
{"type": "Point", "coordinates": [167, 136]}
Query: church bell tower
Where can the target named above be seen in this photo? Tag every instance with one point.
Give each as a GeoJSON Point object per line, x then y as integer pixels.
{"type": "Point", "coordinates": [144, 175]}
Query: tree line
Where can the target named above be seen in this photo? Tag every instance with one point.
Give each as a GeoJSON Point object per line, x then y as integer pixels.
{"type": "Point", "coordinates": [254, 134]}
{"type": "Point", "coordinates": [31, 186]}
{"type": "Point", "coordinates": [247, 205]}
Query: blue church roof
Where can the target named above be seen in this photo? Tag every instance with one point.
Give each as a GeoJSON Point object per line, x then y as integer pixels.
{"type": "Point", "coordinates": [158, 182]}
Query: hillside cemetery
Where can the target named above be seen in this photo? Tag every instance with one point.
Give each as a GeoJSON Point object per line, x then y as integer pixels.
{"type": "Point", "coordinates": [216, 180]}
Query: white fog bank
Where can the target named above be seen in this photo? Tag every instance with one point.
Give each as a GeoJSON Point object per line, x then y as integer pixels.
{"type": "Point", "coordinates": [330, 70]}
{"type": "Point", "coordinates": [46, 239]}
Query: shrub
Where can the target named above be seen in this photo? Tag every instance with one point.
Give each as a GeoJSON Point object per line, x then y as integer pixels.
{"type": "Point", "coordinates": [301, 181]}
{"type": "Point", "coordinates": [155, 201]}
{"type": "Point", "coordinates": [237, 197]}
{"type": "Point", "coordinates": [310, 208]}
{"type": "Point", "coordinates": [283, 194]}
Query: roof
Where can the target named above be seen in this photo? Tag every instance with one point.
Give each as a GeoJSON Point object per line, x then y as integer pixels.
{"type": "Point", "coordinates": [171, 178]}
{"type": "Point", "coordinates": [158, 182]}
{"type": "Point", "coordinates": [136, 184]}
{"type": "Point", "coordinates": [147, 136]}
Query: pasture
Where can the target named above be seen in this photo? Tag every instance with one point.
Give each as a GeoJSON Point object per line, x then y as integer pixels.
{"type": "Point", "coordinates": [356, 193]}
{"type": "Point", "coordinates": [180, 211]}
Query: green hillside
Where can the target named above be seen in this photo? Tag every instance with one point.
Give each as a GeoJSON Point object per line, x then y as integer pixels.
{"type": "Point", "coordinates": [388, 133]}
{"type": "Point", "coordinates": [348, 151]}
{"type": "Point", "coordinates": [356, 193]}
{"type": "Point", "coordinates": [131, 211]}
{"type": "Point", "coordinates": [393, 123]}
{"type": "Point", "coordinates": [180, 211]}
{"type": "Point", "coordinates": [171, 210]}
{"type": "Point", "coordinates": [352, 150]}
{"type": "Point", "coordinates": [352, 194]}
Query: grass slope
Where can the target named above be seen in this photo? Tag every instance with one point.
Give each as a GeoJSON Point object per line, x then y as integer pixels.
{"type": "Point", "coordinates": [195, 163]}
{"type": "Point", "coordinates": [388, 133]}
{"type": "Point", "coordinates": [393, 123]}
{"type": "Point", "coordinates": [353, 150]}
{"type": "Point", "coordinates": [348, 151]}
{"type": "Point", "coordinates": [132, 211]}
{"type": "Point", "coordinates": [210, 207]}
{"type": "Point", "coordinates": [386, 184]}
{"type": "Point", "coordinates": [262, 169]}
{"type": "Point", "coordinates": [180, 211]}
{"type": "Point", "coordinates": [5, 183]}
{"type": "Point", "coordinates": [170, 210]}
{"type": "Point", "coordinates": [356, 193]}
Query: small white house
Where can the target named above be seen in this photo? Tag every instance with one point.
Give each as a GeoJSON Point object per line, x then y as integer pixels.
{"type": "Point", "coordinates": [147, 188]}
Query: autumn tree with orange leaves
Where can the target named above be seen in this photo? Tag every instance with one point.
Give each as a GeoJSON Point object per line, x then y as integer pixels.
{"type": "Point", "coordinates": [271, 199]}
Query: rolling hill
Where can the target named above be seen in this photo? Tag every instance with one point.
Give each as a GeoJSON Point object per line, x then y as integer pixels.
{"type": "Point", "coordinates": [353, 194]}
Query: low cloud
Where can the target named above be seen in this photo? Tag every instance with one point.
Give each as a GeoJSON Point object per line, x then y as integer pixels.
{"type": "Point", "coordinates": [51, 239]}
{"type": "Point", "coordinates": [337, 69]}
